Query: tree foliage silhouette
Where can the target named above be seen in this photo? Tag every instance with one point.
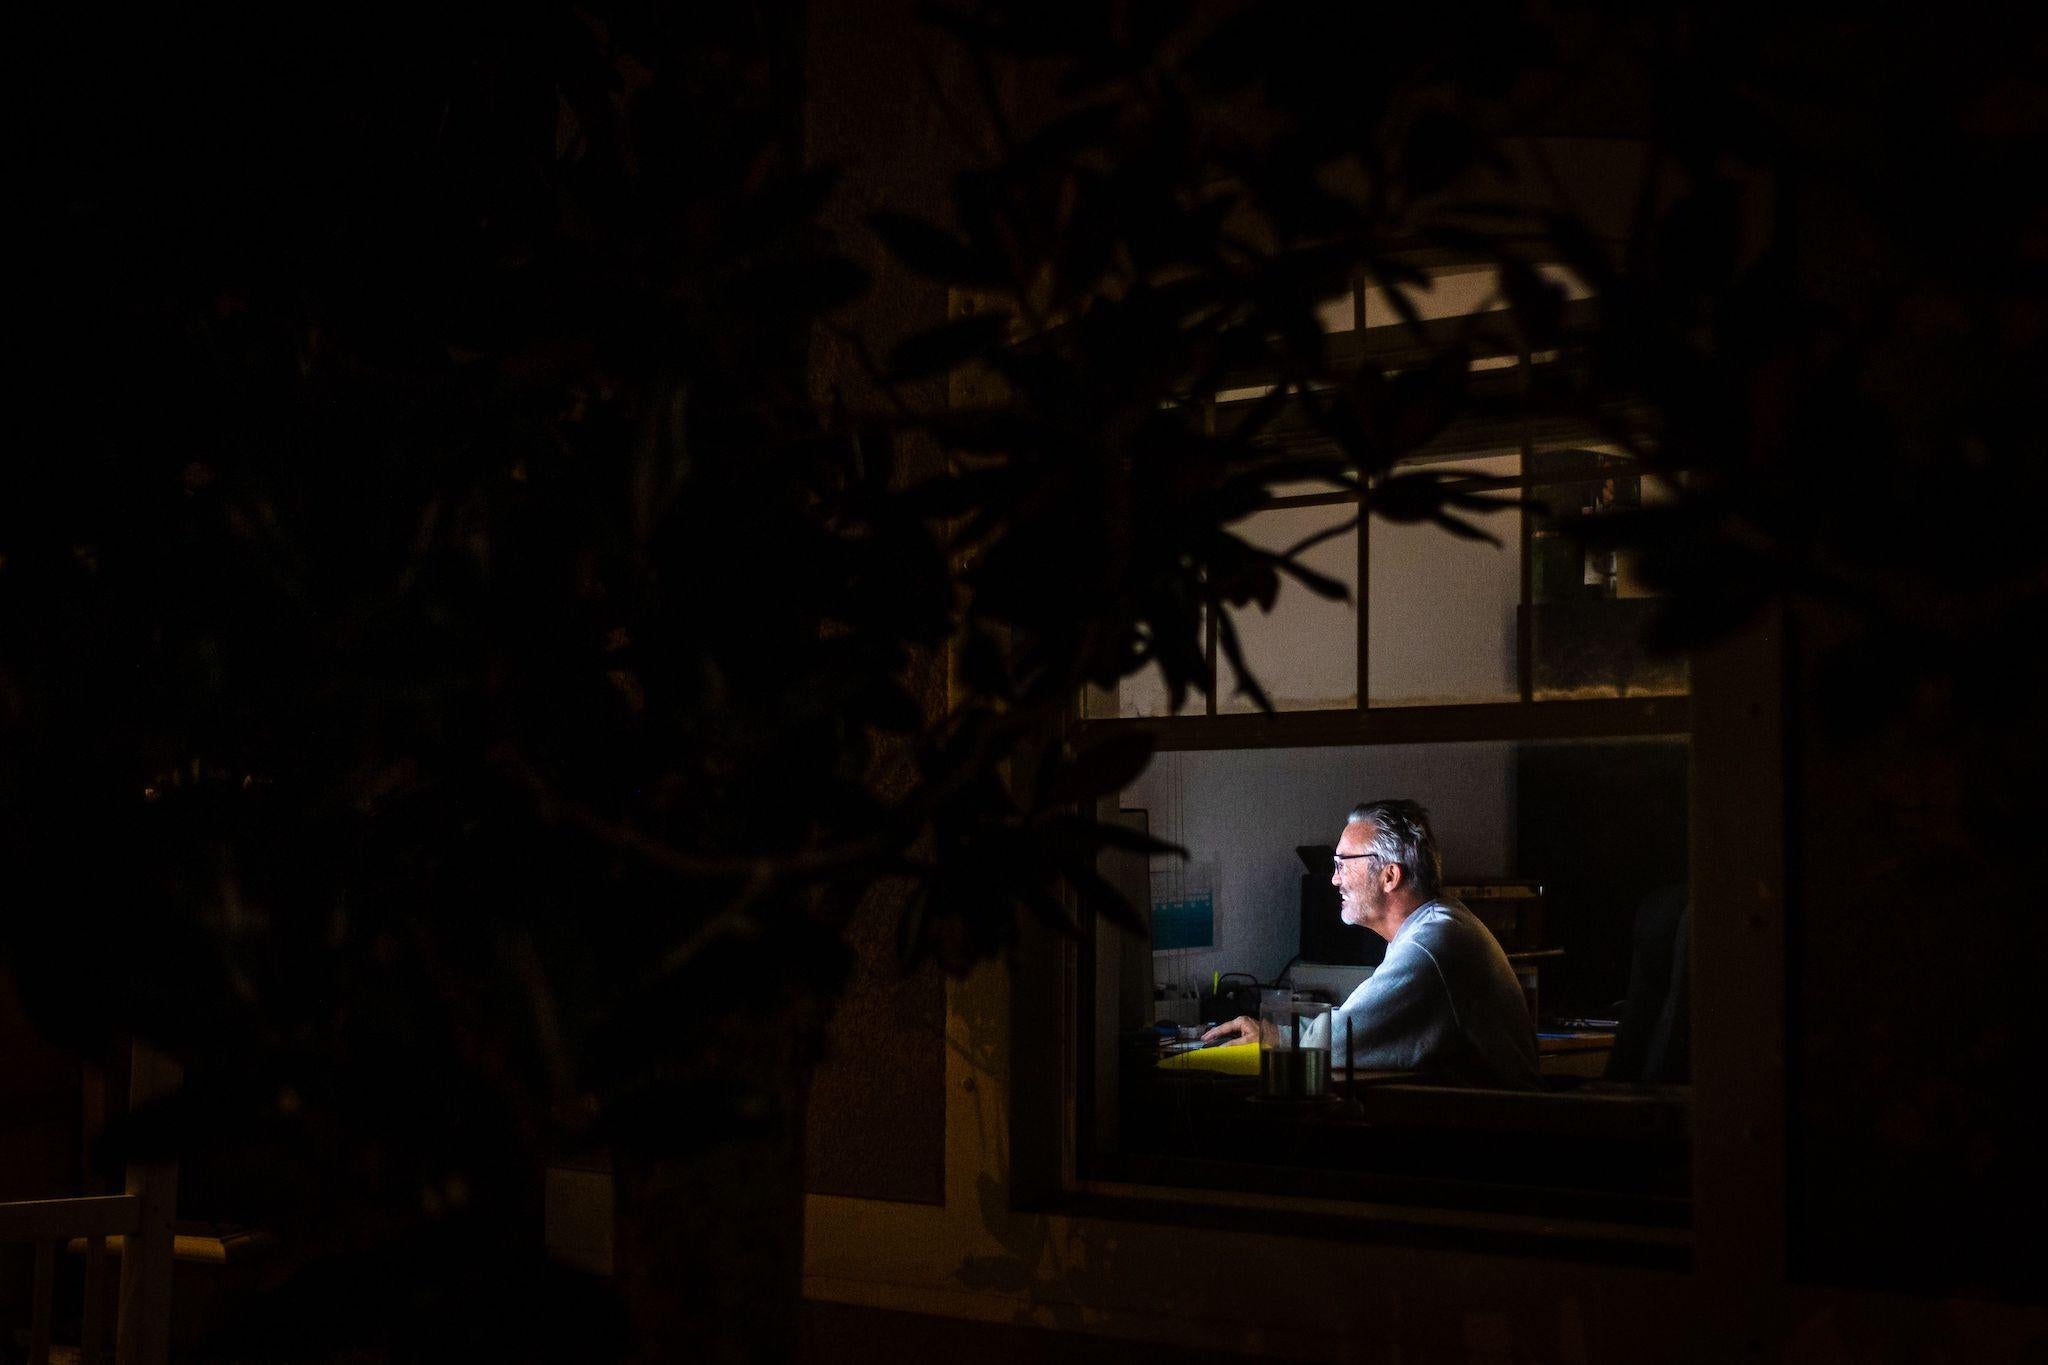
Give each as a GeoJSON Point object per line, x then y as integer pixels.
{"type": "Point", "coordinates": [449, 650]}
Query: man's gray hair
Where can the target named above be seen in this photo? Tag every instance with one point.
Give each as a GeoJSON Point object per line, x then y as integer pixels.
{"type": "Point", "coordinates": [1401, 834]}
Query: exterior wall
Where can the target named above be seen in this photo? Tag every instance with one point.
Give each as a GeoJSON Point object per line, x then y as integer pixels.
{"type": "Point", "coordinates": [998, 1245]}
{"type": "Point", "coordinates": [1280, 1290]}
{"type": "Point", "coordinates": [875, 1129]}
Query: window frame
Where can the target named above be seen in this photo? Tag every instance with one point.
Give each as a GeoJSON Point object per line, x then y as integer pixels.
{"type": "Point", "coordinates": [1047, 1175]}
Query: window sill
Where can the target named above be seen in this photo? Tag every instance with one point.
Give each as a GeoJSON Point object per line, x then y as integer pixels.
{"type": "Point", "coordinates": [1589, 1239]}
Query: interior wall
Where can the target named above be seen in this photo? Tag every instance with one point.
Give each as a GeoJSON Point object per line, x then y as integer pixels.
{"type": "Point", "coordinates": [1304, 652]}
{"type": "Point", "coordinates": [1245, 810]}
{"type": "Point", "coordinates": [1440, 617]}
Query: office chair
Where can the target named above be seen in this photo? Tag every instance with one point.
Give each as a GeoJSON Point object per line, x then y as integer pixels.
{"type": "Point", "coordinates": [1653, 1038]}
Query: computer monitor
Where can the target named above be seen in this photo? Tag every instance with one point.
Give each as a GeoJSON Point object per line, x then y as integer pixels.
{"type": "Point", "coordinates": [1325, 937]}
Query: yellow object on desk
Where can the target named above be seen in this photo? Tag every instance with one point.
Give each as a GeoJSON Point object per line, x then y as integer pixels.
{"type": "Point", "coordinates": [1229, 1059]}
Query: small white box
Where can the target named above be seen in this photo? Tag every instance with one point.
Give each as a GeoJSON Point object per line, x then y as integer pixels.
{"type": "Point", "coordinates": [1338, 981]}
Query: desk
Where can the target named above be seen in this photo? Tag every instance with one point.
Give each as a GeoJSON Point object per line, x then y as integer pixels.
{"type": "Point", "coordinates": [1582, 1052]}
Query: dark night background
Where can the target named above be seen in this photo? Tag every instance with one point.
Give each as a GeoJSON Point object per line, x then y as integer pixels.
{"type": "Point", "coordinates": [548, 550]}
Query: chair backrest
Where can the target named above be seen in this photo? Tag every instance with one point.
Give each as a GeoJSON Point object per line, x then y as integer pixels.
{"type": "Point", "coordinates": [140, 1217]}
{"type": "Point", "coordinates": [1652, 1039]}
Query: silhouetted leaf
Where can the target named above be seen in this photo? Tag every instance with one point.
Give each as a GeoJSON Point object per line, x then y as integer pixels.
{"type": "Point", "coordinates": [1464, 529]}
{"type": "Point", "coordinates": [1424, 496]}
{"type": "Point", "coordinates": [935, 253]}
{"type": "Point", "coordinates": [828, 282]}
{"type": "Point", "coordinates": [1320, 584]}
{"type": "Point", "coordinates": [1091, 125]}
{"type": "Point", "coordinates": [1226, 639]}
{"type": "Point", "coordinates": [1538, 303]}
{"type": "Point", "coordinates": [954, 494]}
{"type": "Point", "coordinates": [983, 666]}
{"type": "Point", "coordinates": [1590, 257]}
{"type": "Point", "coordinates": [888, 707]}
{"type": "Point", "coordinates": [1110, 763]}
{"type": "Point", "coordinates": [1097, 893]}
{"type": "Point", "coordinates": [1090, 834]}
{"type": "Point", "coordinates": [1441, 148]}
{"type": "Point", "coordinates": [949, 345]}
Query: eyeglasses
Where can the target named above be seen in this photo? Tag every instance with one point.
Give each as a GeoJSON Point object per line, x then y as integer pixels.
{"type": "Point", "coordinates": [1338, 860]}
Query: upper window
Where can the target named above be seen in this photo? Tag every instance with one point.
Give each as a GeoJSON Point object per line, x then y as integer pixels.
{"type": "Point", "coordinates": [1515, 604]}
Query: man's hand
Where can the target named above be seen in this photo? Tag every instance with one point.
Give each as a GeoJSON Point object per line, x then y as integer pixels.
{"type": "Point", "coordinates": [1243, 1029]}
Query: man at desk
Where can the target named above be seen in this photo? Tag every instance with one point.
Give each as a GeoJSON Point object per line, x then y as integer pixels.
{"type": "Point", "coordinates": [1444, 1003]}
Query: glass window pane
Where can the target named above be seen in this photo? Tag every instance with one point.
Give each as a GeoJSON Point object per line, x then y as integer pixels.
{"type": "Point", "coordinates": [1298, 488]}
{"type": "Point", "coordinates": [1591, 611]}
{"type": "Point", "coordinates": [1305, 651]}
{"type": "Point", "coordinates": [1598, 823]}
{"type": "Point", "coordinates": [1241, 813]}
{"type": "Point", "coordinates": [1573, 854]}
{"type": "Point", "coordinates": [1655, 490]}
{"type": "Point", "coordinates": [1451, 293]}
{"type": "Point", "coordinates": [1337, 314]}
{"type": "Point", "coordinates": [1460, 291]}
{"type": "Point", "coordinates": [1441, 609]}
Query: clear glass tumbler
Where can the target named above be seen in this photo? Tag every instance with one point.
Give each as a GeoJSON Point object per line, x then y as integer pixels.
{"type": "Point", "coordinates": [1294, 1058]}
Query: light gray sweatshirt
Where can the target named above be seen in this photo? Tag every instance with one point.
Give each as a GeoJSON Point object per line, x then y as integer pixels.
{"type": "Point", "coordinates": [1444, 1003]}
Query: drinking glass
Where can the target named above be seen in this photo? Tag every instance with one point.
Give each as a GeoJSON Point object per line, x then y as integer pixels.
{"type": "Point", "coordinates": [1294, 1060]}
